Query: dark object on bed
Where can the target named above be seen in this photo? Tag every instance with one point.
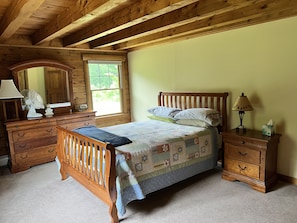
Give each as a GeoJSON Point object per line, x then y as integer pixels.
{"type": "Point", "coordinates": [99, 134]}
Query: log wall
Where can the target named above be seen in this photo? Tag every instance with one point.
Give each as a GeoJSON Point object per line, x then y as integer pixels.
{"type": "Point", "coordinates": [72, 57]}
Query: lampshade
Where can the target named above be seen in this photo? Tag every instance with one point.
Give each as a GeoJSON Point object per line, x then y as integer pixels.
{"type": "Point", "coordinates": [242, 104]}
{"type": "Point", "coordinates": [8, 90]}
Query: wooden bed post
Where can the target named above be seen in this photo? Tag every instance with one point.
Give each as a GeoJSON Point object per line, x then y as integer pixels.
{"type": "Point", "coordinates": [112, 185]}
{"type": "Point", "coordinates": [59, 149]}
{"type": "Point", "coordinates": [224, 112]}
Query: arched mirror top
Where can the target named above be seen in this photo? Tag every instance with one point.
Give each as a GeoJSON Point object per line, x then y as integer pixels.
{"type": "Point", "coordinates": [39, 63]}
{"type": "Point", "coordinates": [55, 85]}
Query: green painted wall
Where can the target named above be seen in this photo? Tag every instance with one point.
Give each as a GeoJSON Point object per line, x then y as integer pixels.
{"type": "Point", "coordinates": [36, 81]}
{"type": "Point", "coordinates": [259, 60]}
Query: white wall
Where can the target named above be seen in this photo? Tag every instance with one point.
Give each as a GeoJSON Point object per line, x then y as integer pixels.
{"type": "Point", "coordinates": [260, 61]}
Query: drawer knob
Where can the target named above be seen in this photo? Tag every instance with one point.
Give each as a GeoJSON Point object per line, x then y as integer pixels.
{"type": "Point", "coordinates": [241, 168]}
{"type": "Point", "coordinates": [242, 142]}
{"type": "Point", "coordinates": [24, 156]}
{"type": "Point", "coordinates": [242, 154]}
{"type": "Point", "coordinates": [49, 130]}
{"type": "Point", "coordinates": [51, 150]}
{"type": "Point", "coordinates": [23, 145]}
{"type": "Point", "coordinates": [51, 141]}
{"type": "Point", "coordinates": [21, 134]}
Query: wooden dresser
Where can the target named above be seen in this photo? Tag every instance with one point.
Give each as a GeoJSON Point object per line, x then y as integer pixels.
{"type": "Point", "coordinates": [33, 142]}
{"type": "Point", "coordinates": [250, 157]}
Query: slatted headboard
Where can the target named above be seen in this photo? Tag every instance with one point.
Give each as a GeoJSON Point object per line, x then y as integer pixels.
{"type": "Point", "coordinates": [196, 100]}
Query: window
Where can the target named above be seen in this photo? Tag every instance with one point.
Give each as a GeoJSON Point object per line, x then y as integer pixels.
{"type": "Point", "coordinates": [105, 86]}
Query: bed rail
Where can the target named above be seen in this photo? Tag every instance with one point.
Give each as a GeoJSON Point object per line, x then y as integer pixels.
{"type": "Point", "coordinates": [90, 162]}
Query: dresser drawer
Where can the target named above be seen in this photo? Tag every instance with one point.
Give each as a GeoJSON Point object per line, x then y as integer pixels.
{"type": "Point", "coordinates": [242, 168]}
{"type": "Point", "coordinates": [23, 135]}
{"type": "Point", "coordinates": [36, 156]}
{"type": "Point", "coordinates": [31, 144]}
{"type": "Point", "coordinates": [76, 123]}
{"type": "Point", "coordinates": [242, 154]}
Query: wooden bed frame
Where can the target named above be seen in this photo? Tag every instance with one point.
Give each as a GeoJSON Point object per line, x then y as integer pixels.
{"type": "Point", "coordinates": [104, 185]}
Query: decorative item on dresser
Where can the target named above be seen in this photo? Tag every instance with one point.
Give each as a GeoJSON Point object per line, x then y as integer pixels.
{"type": "Point", "coordinates": [33, 142]}
{"type": "Point", "coordinates": [250, 157]}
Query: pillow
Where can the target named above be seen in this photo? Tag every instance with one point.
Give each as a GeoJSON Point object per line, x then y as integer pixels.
{"type": "Point", "coordinates": [208, 115]}
{"type": "Point", "coordinates": [192, 122]}
{"type": "Point", "coordinates": [163, 111]}
{"type": "Point", "coordinates": [163, 119]}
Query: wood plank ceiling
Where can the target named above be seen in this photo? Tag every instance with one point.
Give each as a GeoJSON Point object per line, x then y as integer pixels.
{"type": "Point", "coordinates": [128, 24]}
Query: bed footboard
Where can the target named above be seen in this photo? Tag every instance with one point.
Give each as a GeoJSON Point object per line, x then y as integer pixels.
{"type": "Point", "coordinates": [90, 162]}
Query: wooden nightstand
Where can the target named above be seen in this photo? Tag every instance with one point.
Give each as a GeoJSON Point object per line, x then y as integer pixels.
{"type": "Point", "coordinates": [250, 157]}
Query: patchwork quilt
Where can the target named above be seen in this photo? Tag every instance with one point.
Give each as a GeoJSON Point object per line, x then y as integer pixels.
{"type": "Point", "coordinates": [157, 148]}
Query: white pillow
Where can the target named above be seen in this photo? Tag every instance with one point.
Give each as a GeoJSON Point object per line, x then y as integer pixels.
{"type": "Point", "coordinates": [163, 111]}
{"type": "Point", "coordinates": [192, 122]}
{"type": "Point", "coordinates": [208, 115]}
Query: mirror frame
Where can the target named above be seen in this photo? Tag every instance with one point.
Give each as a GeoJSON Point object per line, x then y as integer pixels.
{"type": "Point", "coordinates": [46, 63]}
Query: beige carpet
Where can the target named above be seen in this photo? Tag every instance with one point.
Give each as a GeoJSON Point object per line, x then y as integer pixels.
{"type": "Point", "coordinates": [38, 195]}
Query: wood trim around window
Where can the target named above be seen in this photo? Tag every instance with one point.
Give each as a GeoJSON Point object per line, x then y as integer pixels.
{"type": "Point", "coordinates": [125, 116]}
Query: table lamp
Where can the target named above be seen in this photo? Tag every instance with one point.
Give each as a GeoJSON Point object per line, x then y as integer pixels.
{"type": "Point", "coordinates": [242, 105]}
{"type": "Point", "coordinates": [8, 94]}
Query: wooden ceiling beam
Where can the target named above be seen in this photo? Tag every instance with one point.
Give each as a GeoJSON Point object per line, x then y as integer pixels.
{"type": "Point", "coordinates": [135, 13]}
{"type": "Point", "coordinates": [73, 17]}
{"type": "Point", "coordinates": [187, 14]}
{"type": "Point", "coordinates": [129, 24]}
{"type": "Point", "coordinates": [255, 14]}
{"type": "Point", "coordinates": [15, 15]}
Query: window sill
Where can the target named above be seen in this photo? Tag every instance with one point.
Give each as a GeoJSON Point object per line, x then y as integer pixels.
{"type": "Point", "coordinates": [113, 119]}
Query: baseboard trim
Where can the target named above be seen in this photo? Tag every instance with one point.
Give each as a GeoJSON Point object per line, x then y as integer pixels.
{"type": "Point", "coordinates": [288, 179]}
{"type": "Point", "coordinates": [3, 160]}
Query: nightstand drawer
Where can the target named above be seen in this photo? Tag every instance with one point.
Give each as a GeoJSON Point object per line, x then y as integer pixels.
{"type": "Point", "coordinates": [242, 168]}
{"type": "Point", "coordinates": [246, 142]}
{"type": "Point", "coordinates": [242, 153]}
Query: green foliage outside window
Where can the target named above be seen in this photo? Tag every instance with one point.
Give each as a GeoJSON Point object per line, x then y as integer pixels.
{"type": "Point", "coordinates": [105, 87]}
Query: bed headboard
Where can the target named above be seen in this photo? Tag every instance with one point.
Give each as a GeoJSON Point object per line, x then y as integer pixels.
{"type": "Point", "coordinates": [196, 100]}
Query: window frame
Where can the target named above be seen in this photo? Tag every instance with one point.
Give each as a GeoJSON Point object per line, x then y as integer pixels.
{"type": "Point", "coordinates": [124, 81]}
{"type": "Point", "coordinates": [119, 88]}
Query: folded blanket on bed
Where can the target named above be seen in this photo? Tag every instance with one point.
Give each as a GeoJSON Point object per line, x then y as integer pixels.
{"type": "Point", "coordinates": [104, 136]}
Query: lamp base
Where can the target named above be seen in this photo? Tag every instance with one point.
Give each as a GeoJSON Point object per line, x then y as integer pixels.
{"type": "Point", "coordinates": [10, 110]}
{"type": "Point", "coordinates": [241, 128]}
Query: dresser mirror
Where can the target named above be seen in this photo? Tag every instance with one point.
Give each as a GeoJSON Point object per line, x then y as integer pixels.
{"type": "Point", "coordinates": [52, 80]}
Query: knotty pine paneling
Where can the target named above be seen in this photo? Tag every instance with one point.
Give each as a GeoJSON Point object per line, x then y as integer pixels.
{"type": "Point", "coordinates": [12, 55]}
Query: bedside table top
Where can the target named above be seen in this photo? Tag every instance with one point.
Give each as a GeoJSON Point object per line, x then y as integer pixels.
{"type": "Point", "coordinates": [249, 133]}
